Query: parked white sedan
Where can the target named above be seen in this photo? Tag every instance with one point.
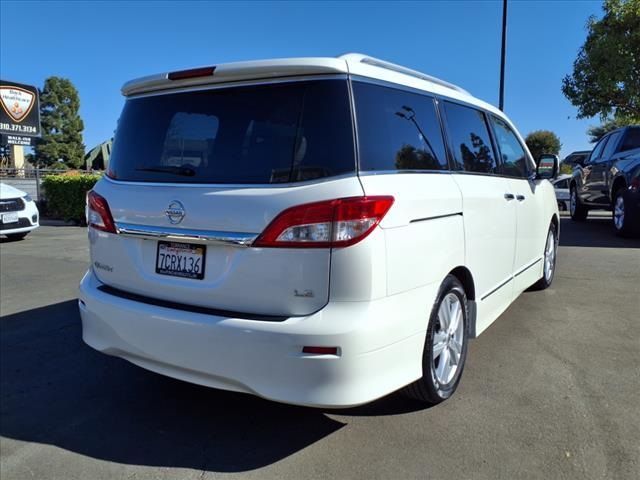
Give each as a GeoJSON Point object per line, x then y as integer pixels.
{"type": "Point", "coordinates": [18, 212]}
{"type": "Point", "coordinates": [561, 187]}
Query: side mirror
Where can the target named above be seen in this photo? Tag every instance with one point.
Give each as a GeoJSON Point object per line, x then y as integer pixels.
{"type": "Point", "coordinates": [547, 166]}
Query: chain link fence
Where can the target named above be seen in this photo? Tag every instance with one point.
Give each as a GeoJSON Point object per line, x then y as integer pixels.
{"type": "Point", "coordinates": [28, 180]}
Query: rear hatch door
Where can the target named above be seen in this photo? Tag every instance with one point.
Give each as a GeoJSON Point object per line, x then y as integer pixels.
{"type": "Point", "coordinates": [212, 168]}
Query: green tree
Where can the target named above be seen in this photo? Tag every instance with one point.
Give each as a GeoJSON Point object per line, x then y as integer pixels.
{"type": "Point", "coordinates": [412, 158]}
{"type": "Point", "coordinates": [543, 141]}
{"type": "Point", "coordinates": [566, 168]}
{"type": "Point", "coordinates": [606, 73]}
{"type": "Point", "coordinates": [61, 124]}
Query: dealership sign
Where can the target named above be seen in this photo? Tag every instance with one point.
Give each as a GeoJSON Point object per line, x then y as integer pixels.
{"type": "Point", "coordinates": [19, 113]}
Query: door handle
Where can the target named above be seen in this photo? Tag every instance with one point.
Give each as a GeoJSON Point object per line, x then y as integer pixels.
{"type": "Point", "coordinates": [509, 196]}
{"type": "Point", "coordinates": [520, 198]}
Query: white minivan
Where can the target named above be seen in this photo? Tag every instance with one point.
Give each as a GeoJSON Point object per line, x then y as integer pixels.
{"type": "Point", "coordinates": [315, 231]}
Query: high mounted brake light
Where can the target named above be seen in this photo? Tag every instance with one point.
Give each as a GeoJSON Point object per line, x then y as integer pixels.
{"type": "Point", "coordinates": [99, 214]}
{"type": "Point", "coordinates": [330, 223]}
{"type": "Point", "coordinates": [191, 73]}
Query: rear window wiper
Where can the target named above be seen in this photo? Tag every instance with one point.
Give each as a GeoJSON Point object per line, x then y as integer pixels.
{"type": "Point", "coordinates": [184, 170]}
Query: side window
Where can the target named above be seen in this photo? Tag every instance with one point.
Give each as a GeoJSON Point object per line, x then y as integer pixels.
{"type": "Point", "coordinates": [561, 184]}
{"type": "Point", "coordinates": [609, 150]}
{"type": "Point", "coordinates": [397, 130]}
{"type": "Point", "coordinates": [513, 155]}
{"type": "Point", "coordinates": [597, 152]}
{"type": "Point", "coordinates": [470, 139]}
{"type": "Point", "coordinates": [631, 139]}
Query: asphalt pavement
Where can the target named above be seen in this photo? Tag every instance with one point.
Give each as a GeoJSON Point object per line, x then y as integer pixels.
{"type": "Point", "coordinates": [550, 390]}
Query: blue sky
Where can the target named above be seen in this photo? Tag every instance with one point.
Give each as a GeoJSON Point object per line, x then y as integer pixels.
{"type": "Point", "coordinates": [100, 45]}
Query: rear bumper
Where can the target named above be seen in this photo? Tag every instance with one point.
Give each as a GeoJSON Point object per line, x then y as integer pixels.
{"type": "Point", "coordinates": [380, 346]}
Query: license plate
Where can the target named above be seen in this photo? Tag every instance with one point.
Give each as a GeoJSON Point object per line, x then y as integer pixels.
{"type": "Point", "coordinates": [184, 260]}
{"type": "Point", "coordinates": [10, 217]}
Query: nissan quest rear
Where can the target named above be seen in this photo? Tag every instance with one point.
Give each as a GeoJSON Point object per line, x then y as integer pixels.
{"type": "Point", "coordinates": [317, 231]}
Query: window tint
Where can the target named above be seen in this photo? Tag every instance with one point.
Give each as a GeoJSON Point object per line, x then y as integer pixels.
{"type": "Point", "coordinates": [562, 184]}
{"type": "Point", "coordinates": [597, 152]}
{"type": "Point", "coordinates": [612, 143]}
{"type": "Point", "coordinates": [258, 134]}
{"type": "Point", "coordinates": [514, 158]}
{"type": "Point", "coordinates": [397, 130]}
{"type": "Point", "coordinates": [631, 139]}
{"type": "Point", "coordinates": [470, 139]}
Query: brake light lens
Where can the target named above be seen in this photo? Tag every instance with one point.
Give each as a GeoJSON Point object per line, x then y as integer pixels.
{"type": "Point", "coordinates": [320, 350]}
{"type": "Point", "coordinates": [331, 223]}
{"type": "Point", "coordinates": [191, 73]}
{"type": "Point", "coordinates": [98, 213]}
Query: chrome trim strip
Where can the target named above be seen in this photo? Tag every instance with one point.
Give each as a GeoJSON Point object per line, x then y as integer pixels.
{"type": "Point", "coordinates": [364, 173]}
{"type": "Point", "coordinates": [240, 239]}
{"type": "Point", "coordinates": [436, 217]}
{"type": "Point", "coordinates": [521, 271]}
{"type": "Point", "coordinates": [497, 288]}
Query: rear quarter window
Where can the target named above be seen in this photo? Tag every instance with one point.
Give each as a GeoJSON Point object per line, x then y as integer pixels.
{"type": "Point", "coordinates": [631, 139]}
{"type": "Point", "coordinates": [397, 130]}
{"type": "Point", "coordinates": [265, 134]}
{"type": "Point", "coordinates": [470, 139]}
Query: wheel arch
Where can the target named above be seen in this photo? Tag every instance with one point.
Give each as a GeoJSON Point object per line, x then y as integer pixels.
{"type": "Point", "coordinates": [466, 279]}
{"type": "Point", "coordinates": [573, 183]}
{"type": "Point", "coordinates": [618, 182]}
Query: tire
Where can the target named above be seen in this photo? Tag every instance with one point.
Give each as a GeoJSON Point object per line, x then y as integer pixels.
{"type": "Point", "coordinates": [16, 236]}
{"type": "Point", "coordinates": [549, 260]}
{"type": "Point", "coordinates": [438, 382]}
{"type": "Point", "coordinates": [577, 210]}
{"type": "Point", "coordinates": [622, 218]}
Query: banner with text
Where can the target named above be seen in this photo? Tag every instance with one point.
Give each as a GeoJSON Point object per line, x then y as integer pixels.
{"type": "Point", "coordinates": [19, 113]}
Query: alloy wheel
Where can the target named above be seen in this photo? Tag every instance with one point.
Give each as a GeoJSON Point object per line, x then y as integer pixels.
{"type": "Point", "coordinates": [550, 256]}
{"type": "Point", "coordinates": [448, 339]}
{"type": "Point", "coordinates": [618, 213]}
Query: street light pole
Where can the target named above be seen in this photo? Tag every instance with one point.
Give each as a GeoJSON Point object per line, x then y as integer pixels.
{"type": "Point", "coordinates": [503, 52]}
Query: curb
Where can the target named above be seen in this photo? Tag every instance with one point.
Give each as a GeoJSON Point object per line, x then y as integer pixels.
{"type": "Point", "coordinates": [51, 222]}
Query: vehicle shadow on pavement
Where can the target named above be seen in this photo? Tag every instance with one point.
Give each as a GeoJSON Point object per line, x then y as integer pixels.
{"type": "Point", "coordinates": [5, 239]}
{"type": "Point", "coordinates": [55, 390]}
{"type": "Point", "coordinates": [594, 232]}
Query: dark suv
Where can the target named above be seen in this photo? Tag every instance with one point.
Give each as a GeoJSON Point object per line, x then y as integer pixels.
{"type": "Point", "coordinates": [607, 179]}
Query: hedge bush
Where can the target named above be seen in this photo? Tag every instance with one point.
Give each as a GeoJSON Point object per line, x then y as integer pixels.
{"type": "Point", "coordinates": [66, 195]}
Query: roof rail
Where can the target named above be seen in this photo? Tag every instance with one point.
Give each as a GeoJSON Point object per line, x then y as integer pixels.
{"type": "Point", "coordinates": [376, 62]}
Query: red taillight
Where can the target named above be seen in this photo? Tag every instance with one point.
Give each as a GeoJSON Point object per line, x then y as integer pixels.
{"type": "Point", "coordinates": [320, 350]}
{"type": "Point", "coordinates": [191, 73]}
{"type": "Point", "coordinates": [98, 214]}
{"type": "Point", "coordinates": [331, 223]}
{"type": "Point", "coordinates": [634, 184]}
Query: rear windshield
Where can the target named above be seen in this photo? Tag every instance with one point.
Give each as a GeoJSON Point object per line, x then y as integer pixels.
{"type": "Point", "coordinates": [274, 133]}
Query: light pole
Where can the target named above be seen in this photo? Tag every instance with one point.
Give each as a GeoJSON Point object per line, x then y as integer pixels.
{"type": "Point", "coordinates": [503, 52]}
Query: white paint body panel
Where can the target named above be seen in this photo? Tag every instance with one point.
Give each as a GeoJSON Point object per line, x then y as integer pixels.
{"type": "Point", "coordinates": [490, 242]}
{"type": "Point", "coordinates": [370, 300]}
{"type": "Point", "coordinates": [242, 279]}
{"type": "Point", "coordinates": [380, 351]}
